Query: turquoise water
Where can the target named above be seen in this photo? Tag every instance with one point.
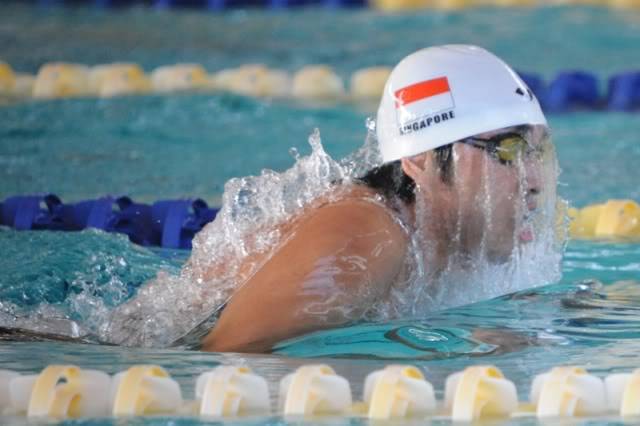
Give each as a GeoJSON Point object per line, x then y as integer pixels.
{"type": "Point", "coordinates": [587, 322]}
{"type": "Point", "coordinates": [159, 146]}
{"type": "Point", "coordinates": [544, 40]}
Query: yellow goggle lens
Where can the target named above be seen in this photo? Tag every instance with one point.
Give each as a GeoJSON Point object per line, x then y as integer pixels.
{"type": "Point", "coordinates": [509, 148]}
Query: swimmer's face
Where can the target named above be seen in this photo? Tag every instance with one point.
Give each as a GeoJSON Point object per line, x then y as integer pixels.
{"type": "Point", "coordinates": [498, 184]}
{"type": "Point", "coordinates": [492, 193]}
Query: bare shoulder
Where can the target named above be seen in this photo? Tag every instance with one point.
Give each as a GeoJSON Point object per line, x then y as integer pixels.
{"type": "Point", "coordinates": [357, 220]}
{"type": "Point", "coordinates": [337, 259]}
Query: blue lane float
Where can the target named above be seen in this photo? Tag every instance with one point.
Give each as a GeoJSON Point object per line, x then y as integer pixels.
{"type": "Point", "coordinates": [579, 90]}
{"type": "Point", "coordinates": [212, 5]}
{"type": "Point", "coordinates": [572, 90]}
{"type": "Point", "coordinates": [165, 223]}
{"type": "Point", "coordinates": [535, 83]}
{"type": "Point", "coordinates": [624, 92]}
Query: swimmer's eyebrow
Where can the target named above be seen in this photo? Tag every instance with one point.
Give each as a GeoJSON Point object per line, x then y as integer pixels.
{"type": "Point", "coordinates": [513, 129]}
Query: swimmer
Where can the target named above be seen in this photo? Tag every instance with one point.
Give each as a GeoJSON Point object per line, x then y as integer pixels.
{"type": "Point", "coordinates": [467, 170]}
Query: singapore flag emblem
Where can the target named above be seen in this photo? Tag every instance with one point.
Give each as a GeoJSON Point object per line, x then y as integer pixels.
{"type": "Point", "coordinates": [423, 99]}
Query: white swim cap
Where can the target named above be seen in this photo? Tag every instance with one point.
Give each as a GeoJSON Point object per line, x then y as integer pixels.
{"type": "Point", "coordinates": [443, 94]}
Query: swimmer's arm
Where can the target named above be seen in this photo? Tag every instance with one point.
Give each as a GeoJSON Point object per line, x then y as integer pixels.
{"type": "Point", "coordinates": [339, 261]}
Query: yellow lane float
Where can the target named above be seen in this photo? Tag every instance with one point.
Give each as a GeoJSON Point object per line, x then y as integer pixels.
{"type": "Point", "coordinates": [228, 391]}
{"type": "Point", "coordinates": [509, 3]}
{"type": "Point", "coordinates": [7, 79]}
{"type": "Point", "coordinates": [254, 80]}
{"type": "Point", "coordinates": [623, 393]}
{"type": "Point", "coordinates": [613, 219]}
{"type": "Point", "coordinates": [317, 82]}
{"type": "Point", "coordinates": [143, 390]}
{"type": "Point", "coordinates": [61, 80]}
{"type": "Point", "coordinates": [408, 5]}
{"type": "Point", "coordinates": [180, 77]}
{"type": "Point", "coordinates": [314, 390]}
{"type": "Point", "coordinates": [452, 4]}
{"type": "Point", "coordinates": [623, 4]}
{"type": "Point", "coordinates": [480, 392]}
{"type": "Point", "coordinates": [399, 5]}
{"type": "Point", "coordinates": [398, 391]}
{"type": "Point", "coordinates": [568, 392]}
{"type": "Point", "coordinates": [118, 79]}
{"type": "Point", "coordinates": [368, 83]}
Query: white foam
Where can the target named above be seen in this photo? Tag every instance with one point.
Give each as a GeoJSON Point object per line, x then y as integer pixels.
{"type": "Point", "coordinates": [170, 305]}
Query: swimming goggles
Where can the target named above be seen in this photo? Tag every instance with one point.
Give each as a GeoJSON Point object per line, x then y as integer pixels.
{"type": "Point", "coordinates": [506, 147]}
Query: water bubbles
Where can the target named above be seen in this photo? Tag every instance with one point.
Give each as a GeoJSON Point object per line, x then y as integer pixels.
{"type": "Point", "coordinates": [370, 123]}
{"type": "Point", "coordinates": [73, 280]}
{"type": "Point", "coordinates": [293, 151]}
{"type": "Point", "coordinates": [257, 213]}
{"type": "Point", "coordinates": [227, 251]}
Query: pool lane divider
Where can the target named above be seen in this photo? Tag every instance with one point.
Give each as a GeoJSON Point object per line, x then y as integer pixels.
{"type": "Point", "coordinates": [614, 219]}
{"type": "Point", "coordinates": [164, 223]}
{"type": "Point", "coordinates": [569, 90]}
{"type": "Point", "coordinates": [384, 5]}
{"type": "Point", "coordinates": [314, 391]}
{"type": "Point", "coordinates": [174, 223]}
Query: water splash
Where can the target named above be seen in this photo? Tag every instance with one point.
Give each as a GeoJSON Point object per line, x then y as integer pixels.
{"type": "Point", "coordinates": [253, 220]}
{"type": "Point", "coordinates": [226, 252]}
{"type": "Point", "coordinates": [480, 226]}
{"type": "Point", "coordinates": [69, 282]}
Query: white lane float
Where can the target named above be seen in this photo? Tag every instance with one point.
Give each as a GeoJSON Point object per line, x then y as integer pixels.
{"type": "Point", "coordinates": [480, 392]}
{"type": "Point", "coordinates": [623, 393]}
{"type": "Point", "coordinates": [317, 82]}
{"type": "Point", "coordinates": [24, 84]}
{"type": "Point", "coordinates": [62, 391]}
{"type": "Point", "coordinates": [6, 376]}
{"type": "Point", "coordinates": [568, 392]}
{"type": "Point", "coordinates": [61, 80]}
{"type": "Point", "coordinates": [59, 391]}
{"type": "Point", "coordinates": [398, 391]}
{"type": "Point", "coordinates": [314, 390]}
{"type": "Point", "coordinates": [179, 77]}
{"type": "Point", "coordinates": [144, 390]}
{"type": "Point", "coordinates": [255, 80]}
{"type": "Point", "coordinates": [18, 390]}
{"type": "Point", "coordinates": [228, 391]}
{"type": "Point", "coordinates": [394, 393]}
{"type": "Point", "coordinates": [118, 79]}
{"type": "Point", "coordinates": [368, 83]}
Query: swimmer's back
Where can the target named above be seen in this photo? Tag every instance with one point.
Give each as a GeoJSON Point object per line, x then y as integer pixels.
{"type": "Point", "coordinates": [336, 260]}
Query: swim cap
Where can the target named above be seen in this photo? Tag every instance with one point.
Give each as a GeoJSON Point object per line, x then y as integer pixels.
{"type": "Point", "coordinates": [443, 94]}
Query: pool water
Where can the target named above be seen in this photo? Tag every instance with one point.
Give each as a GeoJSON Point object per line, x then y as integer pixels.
{"type": "Point", "coordinates": [156, 147]}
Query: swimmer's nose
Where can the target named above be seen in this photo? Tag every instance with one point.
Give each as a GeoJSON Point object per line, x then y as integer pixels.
{"type": "Point", "coordinates": [533, 178]}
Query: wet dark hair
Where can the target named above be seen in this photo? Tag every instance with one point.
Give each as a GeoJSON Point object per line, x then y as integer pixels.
{"type": "Point", "coordinates": [392, 182]}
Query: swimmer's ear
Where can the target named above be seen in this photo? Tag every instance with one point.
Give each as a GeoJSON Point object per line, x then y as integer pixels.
{"type": "Point", "coordinates": [414, 166]}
